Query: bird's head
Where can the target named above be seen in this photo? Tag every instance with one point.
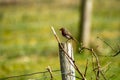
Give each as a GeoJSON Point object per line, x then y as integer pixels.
{"type": "Point", "coordinates": [61, 29]}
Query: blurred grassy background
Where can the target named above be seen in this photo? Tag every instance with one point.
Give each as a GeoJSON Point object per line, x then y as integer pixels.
{"type": "Point", "coordinates": [26, 40]}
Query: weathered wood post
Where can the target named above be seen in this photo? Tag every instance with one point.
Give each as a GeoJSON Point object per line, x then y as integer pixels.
{"type": "Point", "coordinates": [66, 64]}
{"type": "Point", "coordinates": [85, 22]}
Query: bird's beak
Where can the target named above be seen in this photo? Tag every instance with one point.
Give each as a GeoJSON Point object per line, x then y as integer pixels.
{"type": "Point", "coordinates": [60, 29]}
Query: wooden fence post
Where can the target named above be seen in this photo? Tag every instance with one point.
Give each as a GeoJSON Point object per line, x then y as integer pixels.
{"type": "Point", "coordinates": [85, 22]}
{"type": "Point", "coordinates": [67, 69]}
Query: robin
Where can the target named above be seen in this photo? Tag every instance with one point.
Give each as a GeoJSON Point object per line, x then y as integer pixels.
{"type": "Point", "coordinates": [67, 34]}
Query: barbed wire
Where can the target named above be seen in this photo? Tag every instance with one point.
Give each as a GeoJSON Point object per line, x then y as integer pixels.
{"type": "Point", "coordinates": [40, 72]}
{"type": "Point", "coordinates": [30, 74]}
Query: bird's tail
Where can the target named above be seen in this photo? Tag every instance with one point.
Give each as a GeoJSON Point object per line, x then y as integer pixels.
{"type": "Point", "coordinates": [75, 40]}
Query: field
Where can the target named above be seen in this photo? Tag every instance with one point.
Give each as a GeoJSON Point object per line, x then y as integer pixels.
{"type": "Point", "coordinates": [27, 44]}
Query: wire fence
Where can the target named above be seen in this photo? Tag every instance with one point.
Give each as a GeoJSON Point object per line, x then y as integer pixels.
{"type": "Point", "coordinates": [41, 75]}
{"type": "Point", "coordinates": [44, 75]}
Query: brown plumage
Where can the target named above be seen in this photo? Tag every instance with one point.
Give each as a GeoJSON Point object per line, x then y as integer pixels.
{"type": "Point", "coordinates": [67, 34]}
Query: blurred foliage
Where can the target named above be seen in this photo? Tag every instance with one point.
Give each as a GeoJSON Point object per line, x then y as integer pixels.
{"type": "Point", "coordinates": [26, 40]}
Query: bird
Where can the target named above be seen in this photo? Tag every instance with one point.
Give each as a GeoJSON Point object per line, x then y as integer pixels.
{"type": "Point", "coordinates": [67, 34]}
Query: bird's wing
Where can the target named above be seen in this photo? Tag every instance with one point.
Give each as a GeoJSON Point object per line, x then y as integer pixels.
{"type": "Point", "coordinates": [68, 33]}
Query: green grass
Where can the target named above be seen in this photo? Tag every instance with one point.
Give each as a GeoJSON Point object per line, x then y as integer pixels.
{"type": "Point", "coordinates": [28, 45]}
